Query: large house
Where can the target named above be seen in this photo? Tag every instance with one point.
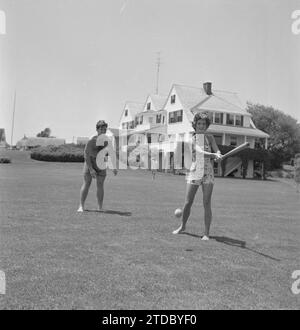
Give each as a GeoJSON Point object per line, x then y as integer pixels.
{"type": "Point", "coordinates": [161, 118]}
{"type": "Point", "coordinates": [27, 143]}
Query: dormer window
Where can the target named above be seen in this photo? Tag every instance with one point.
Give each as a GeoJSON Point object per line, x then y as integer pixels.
{"type": "Point", "coordinates": [148, 105]}
{"type": "Point", "coordinates": [239, 120]}
{"type": "Point", "coordinates": [126, 113]}
{"type": "Point", "coordinates": [218, 118]}
{"type": "Point", "coordinates": [173, 99]}
{"type": "Point", "coordinates": [230, 119]}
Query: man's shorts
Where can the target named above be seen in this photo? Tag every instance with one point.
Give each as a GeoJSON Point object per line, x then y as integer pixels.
{"type": "Point", "coordinates": [86, 171]}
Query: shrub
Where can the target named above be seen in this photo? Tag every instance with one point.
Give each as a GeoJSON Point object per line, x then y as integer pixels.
{"type": "Point", "coordinates": [5, 160]}
{"type": "Point", "coordinates": [64, 153]}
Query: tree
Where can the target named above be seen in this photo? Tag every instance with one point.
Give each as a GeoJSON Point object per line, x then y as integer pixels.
{"type": "Point", "coordinates": [45, 133]}
{"type": "Point", "coordinates": [284, 131]}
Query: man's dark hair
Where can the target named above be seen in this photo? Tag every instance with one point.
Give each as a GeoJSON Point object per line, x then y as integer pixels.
{"type": "Point", "coordinates": [101, 123]}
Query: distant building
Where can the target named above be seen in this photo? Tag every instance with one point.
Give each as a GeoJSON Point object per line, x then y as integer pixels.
{"type": "Point", "coordinates": [157, 122]}
{"type": "Point", "coordinates": [3, 143]}
{"type": "Point", "coordinates": [82, 140]}
{"type": "Point", "coordinates": [33, 142]}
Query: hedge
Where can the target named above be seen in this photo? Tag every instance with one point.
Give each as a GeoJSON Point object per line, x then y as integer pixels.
{"type": "Point", "coordinates": [5, 160]}
{"type": "Point", "coordinates": [64, 153]}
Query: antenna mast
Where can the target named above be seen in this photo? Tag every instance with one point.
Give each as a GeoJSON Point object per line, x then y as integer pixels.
{"type": "Point", "coordinates": [158, 63]}
{"type": "Point", "coordinates": [13, 120]}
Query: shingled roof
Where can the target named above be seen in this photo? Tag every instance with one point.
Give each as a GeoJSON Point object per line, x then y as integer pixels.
{"type": "Point", "coordinates": [249, 131]}
{"type": "Point", "coordinates": [193, 98]}
{"type": "Point", "coordinates": [158, 101]}
{"type": "Point", "coordinates": [134, 107]}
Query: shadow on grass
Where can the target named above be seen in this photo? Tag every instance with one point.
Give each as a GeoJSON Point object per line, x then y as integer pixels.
{"type": "Point", "coordinates": [232, 242]}
{"type": "Point", "coordinates": [124, 214]}
{"type": "Point", "coordinates": [229, 241]}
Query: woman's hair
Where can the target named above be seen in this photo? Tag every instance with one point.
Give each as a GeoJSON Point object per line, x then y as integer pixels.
{"type": "Point", "coordinates": [101, 123]}
{"type": "Point", "coordinates": [201, 115]}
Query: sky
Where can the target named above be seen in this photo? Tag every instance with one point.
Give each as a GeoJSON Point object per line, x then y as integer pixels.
{"type": "Point", "coordinates": [73, 62]}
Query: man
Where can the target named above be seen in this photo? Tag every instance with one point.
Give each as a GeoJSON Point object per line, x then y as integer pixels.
{"type": "Point", "coordinates": [91, 170]}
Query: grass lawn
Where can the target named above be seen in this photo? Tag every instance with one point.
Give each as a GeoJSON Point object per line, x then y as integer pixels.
{"type": "Point", "coordinates": [55, 258]}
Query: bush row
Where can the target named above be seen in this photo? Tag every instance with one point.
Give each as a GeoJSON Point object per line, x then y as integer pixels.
{"type": "Point", "coordinates": [5, 160]}
{"type": "Point", "coordinates": [63, 153]}
{"type": "Point", "coordinates": [281, 174]}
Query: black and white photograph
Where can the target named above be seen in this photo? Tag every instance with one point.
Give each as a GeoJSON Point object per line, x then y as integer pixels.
{"type": "Point", "coordinates": [149, 157]}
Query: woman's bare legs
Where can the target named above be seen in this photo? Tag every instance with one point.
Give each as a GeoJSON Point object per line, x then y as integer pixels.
{"type": "Point", "coordinates": [207, 192]}
{"type": "Point", "coordinates": [191, 190]}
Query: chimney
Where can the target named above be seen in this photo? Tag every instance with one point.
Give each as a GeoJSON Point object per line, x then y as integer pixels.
{"type": "Point", "coordinates": [207, 88]}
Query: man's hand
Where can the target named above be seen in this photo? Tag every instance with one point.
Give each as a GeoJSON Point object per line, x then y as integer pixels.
{"type": "Point", "coordinates": [93, 173]}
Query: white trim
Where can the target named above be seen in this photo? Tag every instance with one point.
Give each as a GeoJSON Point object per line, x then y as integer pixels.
{"type": "Point", "coordinates": [224, 139]}
{"type": "Point", "coordinates": [252, 123]}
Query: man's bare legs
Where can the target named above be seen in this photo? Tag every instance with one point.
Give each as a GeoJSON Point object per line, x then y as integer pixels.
{"type": "Point", "coordinates": [191, 190]}
{"type": "Point", "coordinates": [100, 191]}
{"type": "Point", "coordinates": [84, 190]}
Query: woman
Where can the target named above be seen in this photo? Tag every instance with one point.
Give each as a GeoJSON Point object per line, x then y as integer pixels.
{"type": "Point", "coordinates": [202, 165]}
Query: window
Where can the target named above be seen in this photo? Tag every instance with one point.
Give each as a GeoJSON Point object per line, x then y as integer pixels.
{"type": "Point", "coordinates": [136, 121]}
{"type": "Point", "coordinates": [239, 120]}
{"type": "Point", "coordinates": [218, 118]}
{"type": "Point", "coordinates": [158, 119]}
{"type": "Point", "coordinates": [179, 116]}
{"type": "Point", "coordinates": [230, 119]}
{"type": "Point", "coordinates": [218, 139]}
{"type": "Point", "coordinates": [173, 99]}
{"type": "Point", "coordinates": [126, 113]}
{"type": "Point", "coordinates": [123, 125]}
{"type": "Point", "coordinates": [233, 141]}
{"type": "Point", "coordinates": [175, 116]}
{"type": "Point", "coordinates": [172, 117]}
{"type": "Point", "coordinates": [148, 105]}
{"type": "Point", "coordinates": [141, 120]}
{"type": "Point", "coordinates": [161, 138]}
{"type": "Point", "coordinates": [259, 143]}
{"type": "Point", "coordinates": [131, 124]}
{"type": "Point", "coordinates": [216, 168]}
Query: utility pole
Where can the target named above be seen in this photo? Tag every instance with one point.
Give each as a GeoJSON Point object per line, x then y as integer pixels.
{"type": "Point", "coordinates": [13, 120]}
{"type": "Point", "coordinates": [158, 63]}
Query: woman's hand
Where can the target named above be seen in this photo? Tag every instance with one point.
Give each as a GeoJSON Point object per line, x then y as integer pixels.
{"type": "Point", "coordinates": [217, 155]}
